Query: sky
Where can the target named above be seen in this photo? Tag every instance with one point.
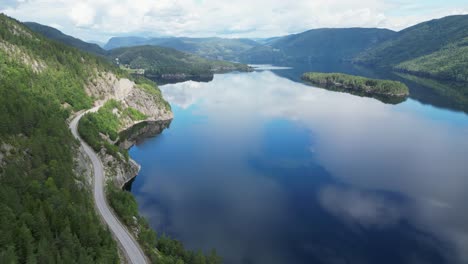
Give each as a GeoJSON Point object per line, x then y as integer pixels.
{"type": "Point", "coordinates": [101, 19]}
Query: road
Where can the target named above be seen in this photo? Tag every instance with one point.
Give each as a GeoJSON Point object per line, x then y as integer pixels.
{"type": "Point", "coordinates": [129, 245]}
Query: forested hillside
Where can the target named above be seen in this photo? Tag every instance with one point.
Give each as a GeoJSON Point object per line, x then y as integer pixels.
{"type": "Point", "coordinates": [157, 61]}
{"type": "Point", "coordinates": [211, 48]}
{"type": "Point", "coordinates": [436, 49]}
{"type": "Point", "coordinates": [335, 44]}
{"type": "Point", "coordinates": [449, 63]}
{"type": "Point", "coordinates": [57, 35]}
{"type": "Point", "coordinates": [154, 60]}
{"type": "Point", "coordinates": [46, 211]}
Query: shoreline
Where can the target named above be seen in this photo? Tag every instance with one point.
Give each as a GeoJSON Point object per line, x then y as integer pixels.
{"type": "Point", "coordinates": [133, 134]}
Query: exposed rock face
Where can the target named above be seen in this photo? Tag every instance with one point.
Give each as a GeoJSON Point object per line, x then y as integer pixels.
{"type": "Point", "coordinates": [141, 131]}
{"type": "Point", "coordinates": [5, 151]}
{"type": "Point", "coordinates": [20, 56]}
{"type": "Point", "coordinates": [148, 104]}
{"type": "Point", "coordinates": [107, 86]}
{"type": "Point", "coordinates": [119, 170]}
{"type": "Point", "coordinates": [83, 167]}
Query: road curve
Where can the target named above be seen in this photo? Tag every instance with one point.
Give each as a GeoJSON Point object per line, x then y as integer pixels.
{"type": "Point", "coordinates": [129, 245]}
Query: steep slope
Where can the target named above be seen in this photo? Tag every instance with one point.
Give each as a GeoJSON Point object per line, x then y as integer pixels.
{"type": "Point", "coordinates": [46, 211]}
{"type": "Point", "coordinates": [212, 48]}
{"type": "Point", "coordinates": [417, 41]}
{"type": "Point", "coordinates": [57, 35]}
{"type": "Point", "coordinates": [450, 63]}
{"type": "Point", "coordinates": [335, 44]}
{"type": "Point", "coordinates": [120, 42]}
{"type": "Point", "coordinates": [160, 61]}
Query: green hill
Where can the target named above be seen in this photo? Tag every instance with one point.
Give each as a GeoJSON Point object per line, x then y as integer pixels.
{"type": "Point", "coordinates": [337, 44]}
{"type": "Point", "coordinates": [160, 61]}
{"type": "Point", "coordinates": [155, 60]}
{"type": "Point", "coordinates": [57, 35]}
{"type": "Point", "coordinates": [121, 42]}
{"type": "Point", "coordinates": [449, 63]}
{"type": "Point", "coordinates": [211, 48]}
{"type": "Point", "coordinates": [435, 48]}
{"type": "Point", "coordinates": [46, 211]}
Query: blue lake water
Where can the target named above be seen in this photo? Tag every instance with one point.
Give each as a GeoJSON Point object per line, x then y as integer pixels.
{"type": "Point", "coordinates": [269, 170]}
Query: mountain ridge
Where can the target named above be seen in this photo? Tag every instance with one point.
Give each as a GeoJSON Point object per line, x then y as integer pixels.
{"type": "Point", "coordinates": [55, 34]}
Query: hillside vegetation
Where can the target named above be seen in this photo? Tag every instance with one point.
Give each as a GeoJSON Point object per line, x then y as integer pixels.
{"type": "Point", "coordinates": [158, 61]}
{"type": "Point", "coordinates": [46, 211]}
{"type": "Point", "coordinates": [100, 130]}
{"type": "Point", "coordinates": [449, 63]}
{"type": "Point", "coordinates": [335, 44]}
{"type": "Point", "coordinates": [211, 48]}
{"type": "Point", "coordinates": [435, 49]}
{"type": "Point", "coordinates": [57, 35]}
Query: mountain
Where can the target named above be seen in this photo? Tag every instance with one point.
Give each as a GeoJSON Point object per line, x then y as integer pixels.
{"type": "Point", "coordinates": [435, 48]}
{"type": "Point", "coordinates": [47, 214]}
{"type": "Point", "coordinates": [449, 63]}
{"type": "Point", "coordinates": [160, 61]}
{"type": "Point", "coordinates": [211, 48]}
{"type": "Point", "coordinates": [57, 35]}
{"type": "Point", "coordinates": [416, 41]}
{"type": "Point", "coordinates": [46, 211]}
{"type": "Point", "coordinates": [335, 44]}
{"type": "Point", "coordinates": [155, 60]}
{"type": "Point", "coordinates": [119, 42]}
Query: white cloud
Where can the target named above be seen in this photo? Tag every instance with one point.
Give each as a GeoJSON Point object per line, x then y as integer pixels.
{"type": "Point", "coordinates": [365, 209]}
{"type": "Point", "coordinates": [82, 14]}
{"type": "Point", "coordinates": [260, 18]}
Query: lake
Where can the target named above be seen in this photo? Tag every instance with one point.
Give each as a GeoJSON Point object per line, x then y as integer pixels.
{"type": "Point", "coordinates": [268, 170]}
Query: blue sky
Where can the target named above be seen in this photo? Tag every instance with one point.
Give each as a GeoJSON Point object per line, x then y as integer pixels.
{"type": "Point", "coordinates": [101, 19]}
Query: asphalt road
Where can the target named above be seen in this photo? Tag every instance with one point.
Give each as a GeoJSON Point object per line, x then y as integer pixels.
{"type": "Point", "coordinates": [129, 245]}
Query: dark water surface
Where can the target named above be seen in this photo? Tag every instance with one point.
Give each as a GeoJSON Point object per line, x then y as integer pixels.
{"type": "Point", "coordinates": [268, 170]}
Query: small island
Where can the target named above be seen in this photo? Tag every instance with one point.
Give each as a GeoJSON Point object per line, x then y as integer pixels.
{"type": "Point", "coordinates": [384, 90]}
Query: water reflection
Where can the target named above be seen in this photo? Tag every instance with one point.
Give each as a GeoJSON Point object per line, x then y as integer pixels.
{"type": "Point", "coordinates": [448, 95]}
{"type": "Point", "coordinates": [268, 170]}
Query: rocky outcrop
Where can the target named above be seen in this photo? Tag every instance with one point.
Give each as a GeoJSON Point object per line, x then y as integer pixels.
{"type": "Point", "coordinates": [83, 168]}
{"type": "Point", "coordinates": [6, 150]}
{"type": "Point", "coordinates": [105, 86]}
{"type": "Point", "coordinates": [141, 131]}
{"type": "Point", "coordinates": [119, 170]}
{"type": "Point", "coordinates": [149, 104]}
{"type": "Point", "coordinates": [20, 56]}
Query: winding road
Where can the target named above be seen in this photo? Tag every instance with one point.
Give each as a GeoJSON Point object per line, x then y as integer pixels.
{"type": "Point", "coordinates": [129, 245]}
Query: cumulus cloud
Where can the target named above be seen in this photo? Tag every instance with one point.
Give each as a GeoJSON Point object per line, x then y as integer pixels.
{"type": "Point", "coordinates": [242, 18]}
{"type": "Point", "coordinates": [82, 14]}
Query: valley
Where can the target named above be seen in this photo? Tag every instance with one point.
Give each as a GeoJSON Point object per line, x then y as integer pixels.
{"type": "Point", "coordinates": [340, 144]}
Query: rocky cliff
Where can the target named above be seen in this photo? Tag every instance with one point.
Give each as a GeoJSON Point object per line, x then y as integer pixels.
{"type": "Point", "coordinates": [146, 101]}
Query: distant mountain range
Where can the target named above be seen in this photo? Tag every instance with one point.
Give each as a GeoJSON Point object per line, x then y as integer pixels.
{"type": "Point", "coordinates": [317, 45]}
{"type": "Point", "coordinates": [211, 48]}
{"type": "Point", "coordinates": [436, 49]}
{"type": "Point", "coordinates": [155, 61]}
{"type": "Point", "coordinates": [167, 64]}
{"type": "Point", "coordinates": [312, 45]}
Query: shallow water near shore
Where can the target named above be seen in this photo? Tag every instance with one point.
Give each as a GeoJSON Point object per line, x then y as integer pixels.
{"type": "Point", "coordinates": [269, 170]}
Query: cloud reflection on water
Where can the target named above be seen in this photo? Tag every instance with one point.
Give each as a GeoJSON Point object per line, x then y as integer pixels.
{"type": "Point", "coordinates": [361, 142]}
